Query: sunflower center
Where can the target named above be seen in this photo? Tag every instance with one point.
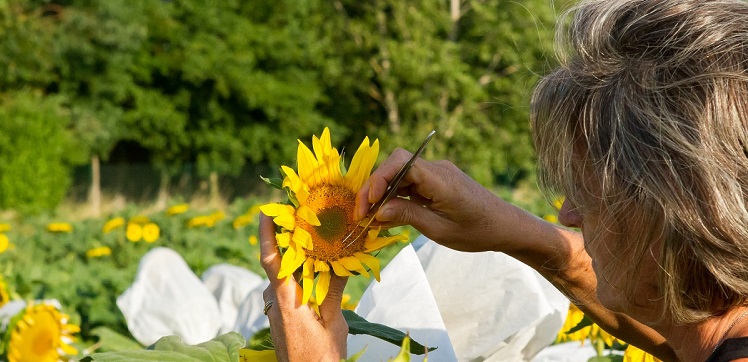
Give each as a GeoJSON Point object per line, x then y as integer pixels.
{"type": "Point", "coordinates": [334, 206]}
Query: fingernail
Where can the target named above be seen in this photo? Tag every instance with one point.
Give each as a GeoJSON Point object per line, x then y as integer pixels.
{"type": "Point", "coordinates": [386, 213]}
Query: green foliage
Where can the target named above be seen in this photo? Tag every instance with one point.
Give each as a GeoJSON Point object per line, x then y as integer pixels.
{"type": "Point", "coordinates": [359, 325]}
{"type": "Point", "coordinates": [222, 84]}
{"type": "Point", "coordinates": [224, 348]}
{"type": "Point", "coordinates": [36, 152]}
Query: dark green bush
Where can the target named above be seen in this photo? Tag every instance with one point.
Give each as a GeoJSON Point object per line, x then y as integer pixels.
{"type": "Point", "coordinates": [36, 152]}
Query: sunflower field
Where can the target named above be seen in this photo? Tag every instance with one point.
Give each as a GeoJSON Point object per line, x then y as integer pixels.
{"type": "Point", "coordinates": [84, 265]}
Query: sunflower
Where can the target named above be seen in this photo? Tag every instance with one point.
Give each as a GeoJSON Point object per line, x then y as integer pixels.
{"type": "Point", "coordinates": [151, 232]}
{"type": "Point", "coordinates": [134, 232]}
{"type": "Point", "coordinates": [177, 209]}
{"type": "Point", "coordinates": [4, 243]}
{"type": "Point", "coordinates": [313, 228]}
{"type": "Point", "coordinates": [634, 354]}
{"type": "Point", "coordinates": [98, 252]}
{"type": "Point", "coordinates": [41, 334]}
{"type": "Point", "coordinates": [59, 227]}
{"type": "Point", "coordinates": [113, 224]}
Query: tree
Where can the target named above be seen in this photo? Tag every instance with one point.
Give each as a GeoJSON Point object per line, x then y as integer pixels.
{"type": "Point", "coordinates": [36, 152]}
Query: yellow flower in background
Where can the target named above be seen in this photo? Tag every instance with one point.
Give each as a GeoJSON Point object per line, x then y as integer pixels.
{"type": "Point", "coordinates": [99, 252]}
{"type": "Point", "coordinates": [4, 243]}
{"type": "Point", "coordinates": [151, 232]}
{"type": "Point", "coordinates": [206, 220]}
{"type": "Point", "coordinates": [113, 224]}
{"type": "Point", "coordinates": [252, 240]}
{"type": "Point", "coordinates": [248, 218]}
{"type": "Point", "coordinates": [558, 202]}
{"type": "Point", "coordinates": [59, 227]}
{"type": "Point", "coordinates": [134, 232]}
{"type": "Point", "coordinates": [4, 297]}
{"type": "Point", "coordinates": [573, 317]}
{"type": "Point", "coordinates": [592, 332]}
{"type": "Point", "coordinates": [4, 228]}
{"type": "Point", "coordinates": [634, 354]}
{"type": "Point", "coordinates": [42, 334]}
{"type": "Point", "coordinates": [551, 218]}
{"type": "Point", "coordinates": [313, 229]}
{"type": "Point", "coordinates": [346, 302]}
{"type": "Point", "coordinates": [177, 209]}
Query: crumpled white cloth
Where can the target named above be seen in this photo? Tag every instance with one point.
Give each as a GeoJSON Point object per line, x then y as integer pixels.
{"type": "Point", "coordinates": [167, 298]}
{"type": "Point", "coordinates": [472, 306]}
{"type": "Point", "coordinates": [491, 306]}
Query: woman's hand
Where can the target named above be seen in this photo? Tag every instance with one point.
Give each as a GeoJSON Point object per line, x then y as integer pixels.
{"type": "Point", "coordinates": [444, 204]}
{"type": "Point", "coordinates": [298, 333]}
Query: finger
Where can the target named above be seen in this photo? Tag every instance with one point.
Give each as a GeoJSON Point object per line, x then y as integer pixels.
{"type": "Point", "coordinates": [407, 212]}
{"type": "Point", "coordinates": [375, 187]}
{"type": "Point", "coordinates": [269, 256]}
{"type": "Point", "coordinates": [330, 308]}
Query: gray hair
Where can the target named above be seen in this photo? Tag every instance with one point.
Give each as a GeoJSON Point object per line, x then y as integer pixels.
{"type": "Point", "coordinates": [646, 123]}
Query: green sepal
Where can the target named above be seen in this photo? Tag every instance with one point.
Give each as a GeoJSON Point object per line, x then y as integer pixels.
{"type": "Point", "coordinates": [359, 325]}
{"type": "Point", "coordinates": [275, 183]}
{"type": "Point", "coordinates": [356, 356]}
{"type": "Point", "coordinates": [261, 340]}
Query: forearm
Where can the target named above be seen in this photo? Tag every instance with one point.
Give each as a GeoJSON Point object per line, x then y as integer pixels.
{"type": "Point", "coordinates": [558, 254]}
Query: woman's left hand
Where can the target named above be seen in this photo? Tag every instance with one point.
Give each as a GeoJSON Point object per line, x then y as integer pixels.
{"type": "Point", "coordinates": [298, 333]}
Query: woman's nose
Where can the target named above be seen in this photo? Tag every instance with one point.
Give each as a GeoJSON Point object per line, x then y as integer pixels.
{"type": "Point", "coordinates": [569, 215]}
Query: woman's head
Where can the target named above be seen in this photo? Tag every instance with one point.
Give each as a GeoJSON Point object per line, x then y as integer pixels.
{"type": "Point", "coordinates": [645, 124]}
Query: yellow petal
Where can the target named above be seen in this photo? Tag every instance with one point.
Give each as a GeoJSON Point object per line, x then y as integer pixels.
{"type": "Point", "coordinates": [371, 261]}
{"type": "Point", "coordinates": [351, 263]}
{"type": "Point", "coordinates": [308, 166]}
{"type": "Point", "coordinates": [302, 238]}
{"type": "Point", "coordinates": [321, 266]}
{"type": "Point", "coordinates": [283, 239]}
{"type": "Point", "coordinates": [308, 215]}
{"type": "Point", "coordinates": [276, 209]}
{"type": "Point", "coordinates": [292, 260]}
{"type": "Point", "coordinates": [308, 280]}
{"type": "Point", "coordinates": [323, 285]}
{"type": "Point", "coordinates": [292, 181]}
{"type": "Point", "coordinates": [361, 165]}
{"type": "Point", "coordinates": [378, 243]}
{"type": "Point", "coordinates": [286, 221]}
{"type": "Point", "coordinates": [339, 269]}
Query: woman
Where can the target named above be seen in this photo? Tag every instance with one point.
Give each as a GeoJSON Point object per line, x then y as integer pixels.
{"type": "Point", "coordinates": [644, 129]}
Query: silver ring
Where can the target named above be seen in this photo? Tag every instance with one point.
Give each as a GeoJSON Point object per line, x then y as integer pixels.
{"type": "Point", "coordinates": [268, 304]}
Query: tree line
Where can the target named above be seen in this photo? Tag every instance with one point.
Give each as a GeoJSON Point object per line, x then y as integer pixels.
{"type": "Point", "coordinates": [221, 84]}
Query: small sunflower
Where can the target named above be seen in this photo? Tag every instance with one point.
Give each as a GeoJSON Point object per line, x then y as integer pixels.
{"type": "Point", "coordinates": [634, 354]}
{"type": "Point", "coordinates": [41, 334]}
{"type": "Point", "coordinates": [4, 227]}
{"type": "Point", "coordinates": [98, 252]}
{"type": "Point", "coordinates": [313, 228]}
{"type": "Point", "coordinates": [151, 232]}
{"type": "Point", "coordinates": [113, 224]}
{"type": "Point", "coordinates": [59, 227]}
{"type": "Point", "coordinates": [4, 243]}
{"type": "Point", "coordinates": [134, 232]}
{"type": "Point", "coordinates": [4, 295]}
{"type": "Point", "coordinates": [177, 209]}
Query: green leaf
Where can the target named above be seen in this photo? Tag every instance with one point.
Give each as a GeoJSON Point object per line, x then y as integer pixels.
{"type": "Point", "coordinates": [224, 348]}
{"type": "Point", "coordinates": [113, 341]}
{"type": "Point", "coordinates": [359, 325]}
{"type": "Point", "coordinates": [261, 340]}
{"type": "Point", "coordinates": [276, 183]}
{"type": "Point", "coordinates": [611, 358]}
{"type": "Point", "coordinates": [584, 323]}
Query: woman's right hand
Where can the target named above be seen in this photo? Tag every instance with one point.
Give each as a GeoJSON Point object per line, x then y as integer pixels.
{"type": "Point", "coordinates": [444, 204]}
